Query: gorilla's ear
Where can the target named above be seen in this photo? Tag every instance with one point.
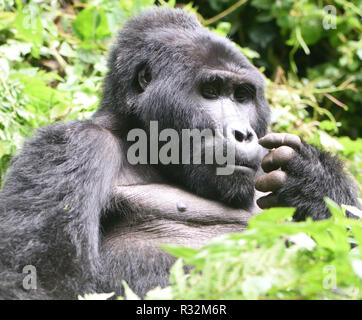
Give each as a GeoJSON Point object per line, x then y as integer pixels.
{"type": "Point", "coordinates": [144, 77]}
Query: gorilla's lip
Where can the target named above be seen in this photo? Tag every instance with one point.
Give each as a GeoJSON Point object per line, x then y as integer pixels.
{"type": "Point", "coordinates": [244, 164]}
{"type": "Point", "coordinates": [244, 168]}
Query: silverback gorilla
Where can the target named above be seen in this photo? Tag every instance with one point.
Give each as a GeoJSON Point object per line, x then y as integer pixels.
{"type": "Point", "coordinates": [73, 207]}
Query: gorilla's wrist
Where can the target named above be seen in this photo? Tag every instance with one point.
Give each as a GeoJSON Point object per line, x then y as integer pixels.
{"type": "Point", "coordinates": [313, 175]}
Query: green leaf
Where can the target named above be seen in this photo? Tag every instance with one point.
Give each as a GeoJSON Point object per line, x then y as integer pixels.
{"type": "Point", "coordinates": [180, 251]}
{"type": "Point", "coordinates": [129, 294]}
{"type": "Point", "coordinates": [15, 50]}
{"type": "Point", "coordinates": [6, 19]}
{"type": "Point", "coordinates": [30, 29]}
{"type": "Point", "coordinates": [311, 29]}
{"type": "Point", "coordinates": [177, 276]}
{"type": "Point", "coordinates": [329, 142]}
{"type": "Point", "coordinates": [91, 24]}
{"type": "Point", "coordinates": [272, 215]}
{"type": "Point", "coordinates": [262, 4]}
{"type": "Point", "coordinates": [159, 293]}
{"type": "Point", "coordinates": [59, 111]}
{"type": "Point", "coordinates": [334, 208]}
{"type": "Point", "coordinates": [302, 240]}
{"type": "Point", "coordinates": [66, 50]}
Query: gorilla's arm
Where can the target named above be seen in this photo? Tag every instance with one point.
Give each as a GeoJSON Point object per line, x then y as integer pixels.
{"type": "Point", "coordinates": [154, 214]}
{"type": "Point", "coordinates": [173, 203]}
{"type": "Point", "coordinates": [52, 200]}
{"type": "Point", "coordinates": [307, 175]}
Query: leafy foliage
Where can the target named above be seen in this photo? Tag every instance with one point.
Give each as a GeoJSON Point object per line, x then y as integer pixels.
{"type": "Point", "coordinates": [274, 258]}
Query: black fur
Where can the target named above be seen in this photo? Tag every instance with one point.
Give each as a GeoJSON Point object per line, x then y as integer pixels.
{"type": "Point", "coordinates": [312, 175]}
{"type": "Point", "coordinates": [57, 207]}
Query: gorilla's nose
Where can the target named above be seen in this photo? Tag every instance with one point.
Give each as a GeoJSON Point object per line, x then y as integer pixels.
{"type": "Point", "coordinates": [243, 135]}
{"type": "Point", "coordinates": [247, 149]}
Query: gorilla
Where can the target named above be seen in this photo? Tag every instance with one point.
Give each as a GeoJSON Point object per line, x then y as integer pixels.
{"type": "Point", "coordinates": [77, 211]}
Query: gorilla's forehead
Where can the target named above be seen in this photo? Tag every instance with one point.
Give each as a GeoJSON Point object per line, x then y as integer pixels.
{"type": "Point", "coordinates": [174, 34]}
{"type": "Point", "coordinates": [196, 48]}
{"type": "Point", "coordinates": [172, 41]}
{"type": "Point", "coordinates": [219, 54]}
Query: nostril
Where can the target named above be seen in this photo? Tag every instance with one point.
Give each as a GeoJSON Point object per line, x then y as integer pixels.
{"type": "Point", "coordinates": [239, 136]}
{"type": "Point", "coordinates": [250, 136]}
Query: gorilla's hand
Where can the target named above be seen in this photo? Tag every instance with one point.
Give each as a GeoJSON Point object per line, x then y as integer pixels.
{"type": "Point", "coordinates": [307, 175]}
{"type": "Point", "coordinates": [287, 146]}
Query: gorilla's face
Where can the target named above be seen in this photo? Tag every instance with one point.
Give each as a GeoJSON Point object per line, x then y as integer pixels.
{"type": "Point", "coordinates": [222, 99]}
{"type": "Point", "coordinates": [227, 99]}
{"type": "Point", "coordinates": [190, 78]}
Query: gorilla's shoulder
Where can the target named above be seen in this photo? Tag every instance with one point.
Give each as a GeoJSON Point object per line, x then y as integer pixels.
{"type": "Point", "coordinates": [60, 141]}
{"type": "Point", "coordinates": [56, 149]}
{"type": "Point", "coordinates": [63, 132]}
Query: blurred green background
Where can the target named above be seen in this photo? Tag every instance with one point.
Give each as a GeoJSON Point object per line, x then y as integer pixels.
{"type": "Point", "coordinates": [53, 59]}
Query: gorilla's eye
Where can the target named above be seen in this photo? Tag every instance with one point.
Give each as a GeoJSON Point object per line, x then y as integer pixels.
{"type": "Point", "coordinates": [209, 91]}
{"type": "Point", "coordinates": [144, 77]}
{"type": "Point", "coordinates": [244, 93]}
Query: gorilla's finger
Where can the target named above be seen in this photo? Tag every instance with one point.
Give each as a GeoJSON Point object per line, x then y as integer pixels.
{"type": "Point", "coordinates": [268, 201]}
{"type": "Point", "coordinates": [277, 158]}
{"type": "Point", "coordinates": [275, 140]}
{"type": "Point", "coordinates": [272, 181]}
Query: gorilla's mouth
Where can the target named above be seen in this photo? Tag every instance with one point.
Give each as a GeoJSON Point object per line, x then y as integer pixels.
{"type": "Point", "coordinates": [244, 168]}
{"type": "Point", "coordinates": [251, 164]}
{"type": "Point", "coordinates": [241, 167]}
